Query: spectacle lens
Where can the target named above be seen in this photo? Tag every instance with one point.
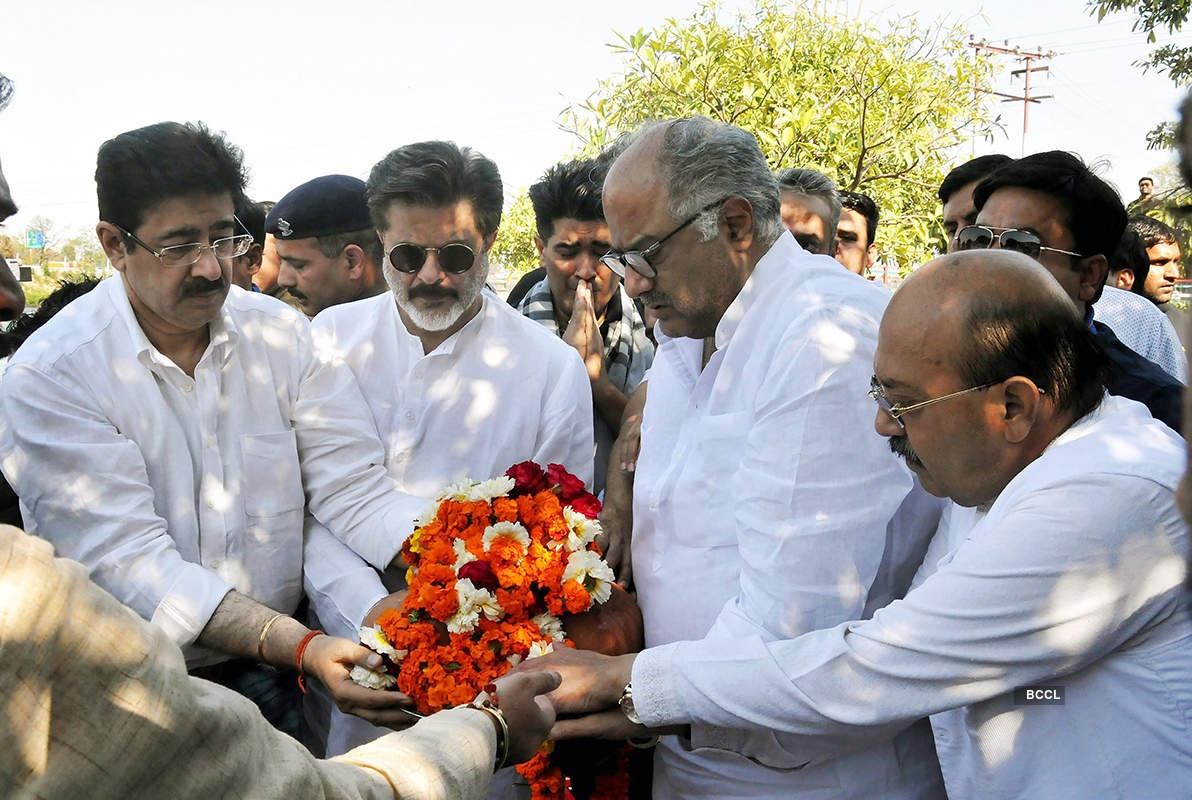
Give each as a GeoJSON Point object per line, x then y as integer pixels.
{"type": "Point", "coordinates": [1023, 242]}
{"type": "Point", "coordinates": [455, 257]}
{"type": "Point", "coordinates": [182, 255]}
{"type": "Point", "coordinates": [978, 237]}
{"type": "Point", "coordinates": [974, 238]}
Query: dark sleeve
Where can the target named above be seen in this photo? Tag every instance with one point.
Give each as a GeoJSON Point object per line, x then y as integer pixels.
{"type": "Point", "coordinates": [1134, 377]}
{"type": "Point", "coordinates": [520, 289]}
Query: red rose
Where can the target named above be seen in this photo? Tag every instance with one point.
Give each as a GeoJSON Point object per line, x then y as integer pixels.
{"type": "Point", "coordinates": [481, 574]}
{"type": "Point", "coordinates": [528, 478]}
{"type": "Point", "coordinates": [587, 504]}
{"type": "Point", "coordinates": [570, 487]}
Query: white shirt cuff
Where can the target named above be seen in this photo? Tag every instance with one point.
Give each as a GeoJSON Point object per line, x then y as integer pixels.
{"type": "Point", "coordinates": [654, 695]}
{"type": "Point", "coordinates": [187, 606]}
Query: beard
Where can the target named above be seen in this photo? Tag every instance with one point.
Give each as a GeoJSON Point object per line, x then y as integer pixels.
{"type": "Point", "coordinates": [901, 446]}
{"type": "Point", "coordinates": [460, 297]}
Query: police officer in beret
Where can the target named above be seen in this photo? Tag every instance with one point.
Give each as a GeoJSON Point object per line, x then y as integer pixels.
{"type": "Point", "coordinates": [326, 243]}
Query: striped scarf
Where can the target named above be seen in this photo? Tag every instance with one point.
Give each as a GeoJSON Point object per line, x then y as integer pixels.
{"type": "Point", "coordinates": [627, 350]}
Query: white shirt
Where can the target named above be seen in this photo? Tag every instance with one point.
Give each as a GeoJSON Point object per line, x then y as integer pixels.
{"type": "Point", "coordinates": [1073, 577]}
{"type": "Point", "coordinates": [762, 500]}
{"type": "Point", "coordinates": [1140, 325]}
{"type": "Point", "coordinates": [501, 390]}
{"type": "Point", "coordinates": [173, 490]}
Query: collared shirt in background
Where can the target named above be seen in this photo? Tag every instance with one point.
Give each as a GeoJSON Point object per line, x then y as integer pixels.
{"type": "Point", "coordinates": [1142, 327]}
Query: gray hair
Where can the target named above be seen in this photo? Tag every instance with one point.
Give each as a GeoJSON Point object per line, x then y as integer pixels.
{"type": "Point", "coordinates": [801, 180]}
{"type": "Point", "coordinates": [704, 161]}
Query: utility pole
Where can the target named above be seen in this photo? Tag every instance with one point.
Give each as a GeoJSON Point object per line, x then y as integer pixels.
{"type": "Point", "coordinates": [1028, 58]}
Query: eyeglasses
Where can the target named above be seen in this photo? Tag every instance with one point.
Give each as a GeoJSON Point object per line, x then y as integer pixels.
{"type": "Point", "coordinates": [639, 260]}
{"type": "Point", "coordinates": [877, 393]}
{"type": "Point", "coordinates": [183, 255]}
{"type": "Point", "coordinates": [454, 257]}
{"type": "Point", "coordinates": [979, 237]}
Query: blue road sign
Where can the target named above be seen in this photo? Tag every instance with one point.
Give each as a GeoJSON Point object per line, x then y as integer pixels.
{"type": "Point", "coordinates": [35, 240]}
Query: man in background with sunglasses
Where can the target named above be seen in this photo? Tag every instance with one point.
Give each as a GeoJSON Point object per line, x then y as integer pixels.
{"type": "Point", "coordinates": [459, 383]}
{"type": "Point", "coordinates": [326, 245]}
{"type": "Point", "coordinates": [167, 430]}
{"type": "Point", "coordinates": [762, 503]}
{"type": "Point", "coordinates": [1052, 208]}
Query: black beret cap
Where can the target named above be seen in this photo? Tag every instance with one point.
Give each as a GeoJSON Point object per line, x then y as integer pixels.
{"type": "Point", "coordinates": [320, 207]}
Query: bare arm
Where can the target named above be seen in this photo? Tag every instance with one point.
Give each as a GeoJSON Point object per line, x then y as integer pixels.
{"type": "Point", "coordinates": [235, 628]}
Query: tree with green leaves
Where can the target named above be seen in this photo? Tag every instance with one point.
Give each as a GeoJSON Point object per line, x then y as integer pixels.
{"type": "Point", "coordinates": [1155, 18]}
{"type": "Point", "coordinates": [881, 111]}
{"type": "Point", "coordinates": [513, 248]}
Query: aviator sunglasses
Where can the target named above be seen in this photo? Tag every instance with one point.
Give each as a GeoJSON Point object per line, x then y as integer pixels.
{"type": "Point", "coordinates": [454, 257]}
{"type": "Point", "coordinates": [980, 237]}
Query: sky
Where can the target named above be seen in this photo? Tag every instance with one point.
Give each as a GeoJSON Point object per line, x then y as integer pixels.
{"type": "Point", "coordinates": [310, 88]}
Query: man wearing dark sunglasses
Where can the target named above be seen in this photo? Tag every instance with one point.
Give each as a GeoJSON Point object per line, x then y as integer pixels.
{"type": "Point", "coordinates": [759, 485]}
{"type": "Point", "coordinates": [459, 383]}
{"type": "Point", "coordinates": [1052, 208]}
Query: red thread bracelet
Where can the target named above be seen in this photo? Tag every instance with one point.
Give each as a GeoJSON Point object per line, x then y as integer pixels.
{"type": "Point", "coordinates": [299, 653]}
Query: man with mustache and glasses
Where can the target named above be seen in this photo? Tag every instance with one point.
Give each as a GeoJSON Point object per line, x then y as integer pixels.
{"type": "Point", "coordinates": [1047, 632]}
{"type": "Point", "coordinates": [168, 430]}
{"type": "Point", "coordinates": [1051, 207]}
{"type": "Point", "coordinates": [763, 506]}
{"type": "Point", "coordinates": [459, 383]}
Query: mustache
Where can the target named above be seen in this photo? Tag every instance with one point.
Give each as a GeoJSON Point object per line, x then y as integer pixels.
{"type": "Point", "coordinates": [432, 292]}
{"type": "Point", "coordinates": [655, 298]}
{"type": "Point", "coordinates": [901, 446]}
{"type": "Point", "coordinates": [201, 286]}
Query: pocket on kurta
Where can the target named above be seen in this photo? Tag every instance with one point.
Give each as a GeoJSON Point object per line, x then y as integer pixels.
{"type": "Point", "coordinates": [273, 508]}
{"type": "Point", "coordinates": [705, 517]}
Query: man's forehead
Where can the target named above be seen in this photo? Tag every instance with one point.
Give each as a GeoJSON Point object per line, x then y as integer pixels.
{"type": "Point", "coordinates": [189, 212]}
{"type": "Point", "coordinates": [634, 205]}
{"type": "Point", "coordinates": [448, 222]}
{"type": "Point", "coordinates": [1017, 206]}
{"type": "Point", "coordinates": [571, 229]}
{"type": "Point", "coordinates": [804, 205]}
{"type": "Point", "coordinates": [852, 220]}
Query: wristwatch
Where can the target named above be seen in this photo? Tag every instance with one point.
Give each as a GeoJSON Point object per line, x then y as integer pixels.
{"type": "Point", "coordinates": [626, 704]}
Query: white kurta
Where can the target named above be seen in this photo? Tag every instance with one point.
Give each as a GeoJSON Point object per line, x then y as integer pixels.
{"type": "Point", "coordinates": [501, 390]}
{"type": "Point", "coordinates": [1075, 576]}
{"type": "Point", "coordinates": [172, 490]}
{"type": "Point", "coordinates": [762, 502]}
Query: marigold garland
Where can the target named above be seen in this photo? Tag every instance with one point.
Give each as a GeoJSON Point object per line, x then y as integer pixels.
{"type": "Point", "coordinates": [493, 565]}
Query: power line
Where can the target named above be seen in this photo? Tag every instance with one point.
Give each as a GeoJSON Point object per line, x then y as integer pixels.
{"type": "Point", "coordinates": [1089, 27]}
{"type": "Point", "coordinates": [1027, 58]}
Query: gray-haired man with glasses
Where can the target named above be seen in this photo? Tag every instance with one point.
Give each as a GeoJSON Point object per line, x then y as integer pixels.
{"type": "Point", "coordinates": [763, 505]}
